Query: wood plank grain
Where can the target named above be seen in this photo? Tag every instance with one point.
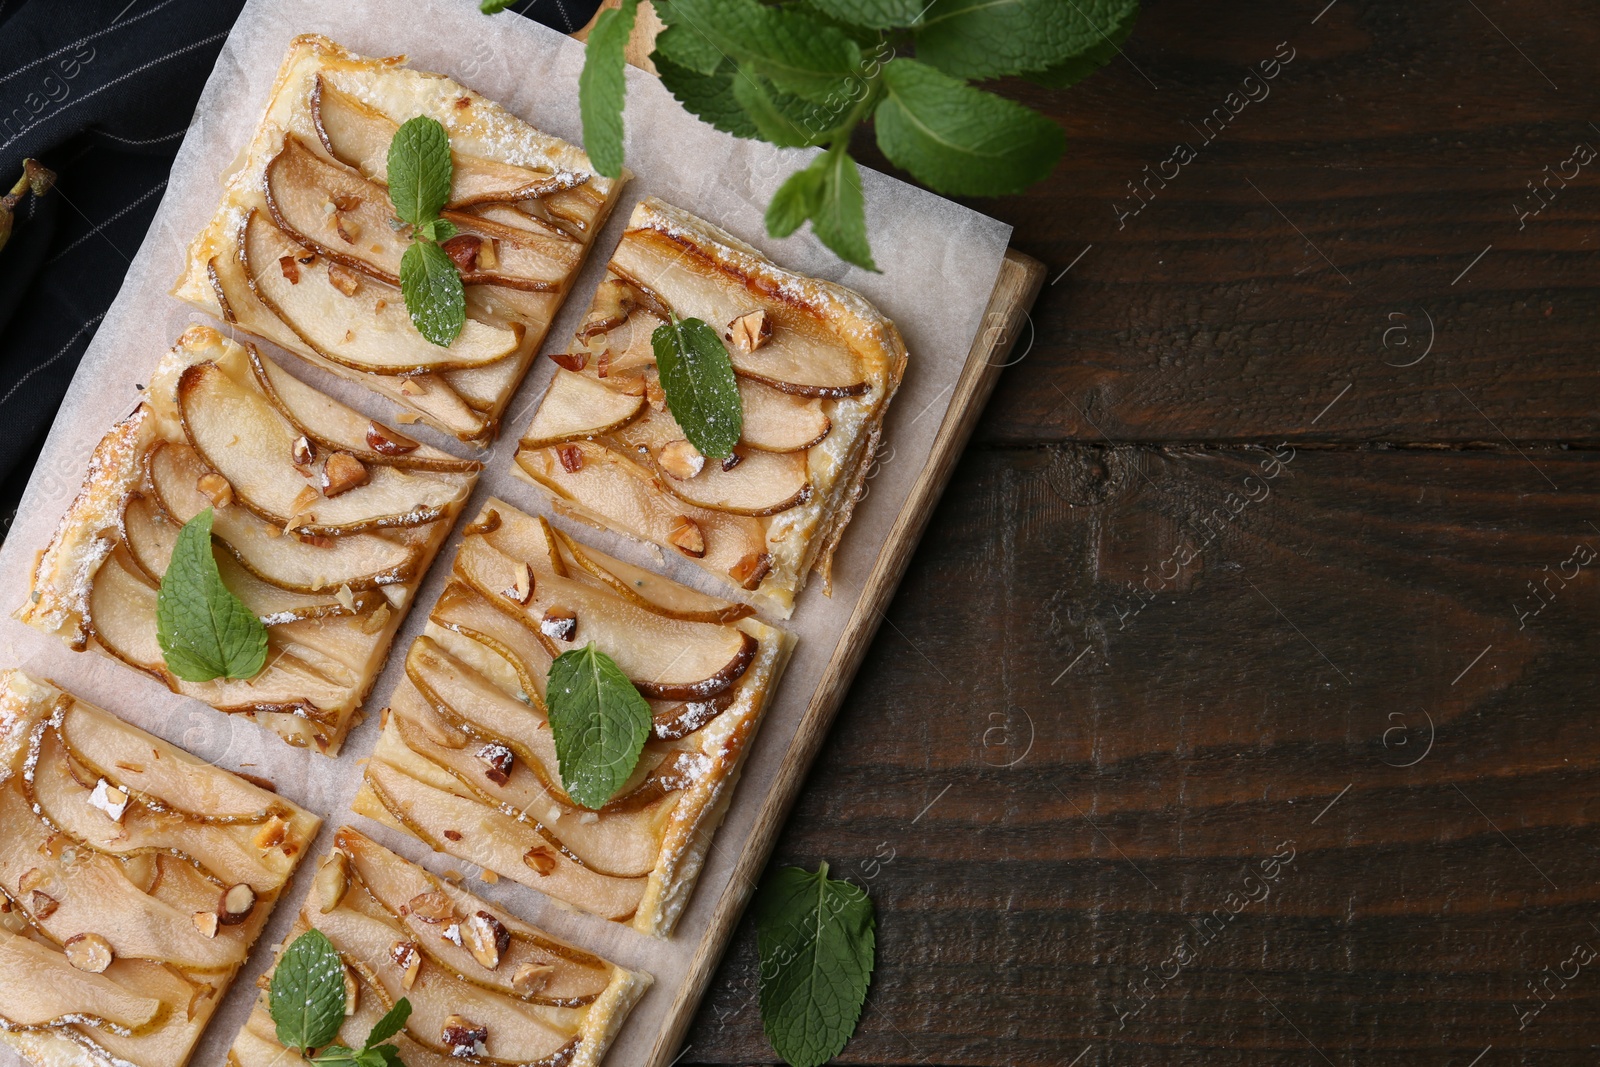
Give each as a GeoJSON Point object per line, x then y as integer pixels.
{"type": "Point", "coordinates": [1050, 779]}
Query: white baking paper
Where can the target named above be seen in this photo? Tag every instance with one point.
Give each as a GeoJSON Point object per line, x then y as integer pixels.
{"type": "Point", "coordinates": [938, 261]}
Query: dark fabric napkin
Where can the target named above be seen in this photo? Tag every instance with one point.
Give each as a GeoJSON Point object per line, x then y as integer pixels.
{"type": "Point", "coordinates": [101, 92]}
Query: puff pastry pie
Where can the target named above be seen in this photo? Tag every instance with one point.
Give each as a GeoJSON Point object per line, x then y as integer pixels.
{"type": "Point", "coordinates": [133, 880]}
{"type": "Point", "coordinates": [816, 366]}
{"type": "Point", "coordinates": [324, 522]}
{"type": "Point", "coordinates": [305, 248]}
{"type": "Point", "coordinates": [483, 985]}
{"type": "Point", "coordinates": [466, 761]}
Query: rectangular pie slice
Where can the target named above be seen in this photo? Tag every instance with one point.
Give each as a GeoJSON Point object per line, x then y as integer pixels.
{"type": "Point", "coordinates": [134, 878]}
{"type": "Point", "coordinates": [305, 248]}
{"type": "Point", "coordinates": [816, 367]}
{"type": "Point", "coordinates": [324, 523]}
{"type": "Point", "coordinates": [483, 985]}
{"type": "Point", "coordinates": [466, 761]}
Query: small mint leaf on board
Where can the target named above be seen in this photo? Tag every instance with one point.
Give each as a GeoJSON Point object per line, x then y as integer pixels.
{"type": "Point", "coordinates": [798, 53]}
{"type": "Point", "coordinates": [958, 140]}
{"type": "Point", "coordinates": [697, 378]}
{"type": "Point", "coordinates": [419, 170]}
{"type": "Point", "coordinates": [434, 295]}
{"type": "Point", "coordinates": [306, 997]}
{"type": "Point", "coordinates": [818, 944]}
{"type": "Point", "coordinates": [204, 631]}
{"type": "Point", "coordinates": [392, 1022]}
{"type": "Point", "coordinates": [991, 38]}
{"type": "Point", "coordinates": [598, 721]}
{"type": "Point", "coordinates": [839, 215]}
{"type": "Point", "coordinates": [603, 87]}
{"type": "Point", "coordinates": [873, 14]}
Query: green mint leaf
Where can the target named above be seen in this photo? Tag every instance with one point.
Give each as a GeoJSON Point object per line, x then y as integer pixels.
{"type": "Point", "coordinates": [958, 140]}
{"type": "Point", "coordinates": [817, 942]}
{"type": "Point", "coordinates": [684, 45]}
{"type": "Point", "coordinates": [338, 1056]}
{"type": "Point", "coordinates": [433, 292]}
{"type": "Point", "coordinates": [874, 14]}
{"type": "Point", "coordinates": [438, 230]}
{"type": "Point", "coordinates": [991, 38]}
{"type": "Point", "coordinates": [840, 216]}
{"type": "Point", "coordinates": [1072, 71]}
{"type": "Point", "coordinates": [795, 201]}
{"type": "Point", "coordinates": [709, 97]}
{"type": "Point", "coordinates": [306, 998]}
{"type": "Point", "coordinates": [494, 7]}
{"type": "Point", "coordinates": [598, 721]}
{"type": "Point", "coordinates": [205, 632]}
{"type": "Point", "coordinates": [603, 87]}
{"type": "Point", "coordinates": [697, 377]}
{"type": "Point", "coordinates": [419, 170]}
{"type": "Point", "coordinates": [391, 1023]}
{"type": "Point", "coordinates": [781, 118]}
{"type": "Point", "coordinates": [381, 1056]}
{"type": "Point", "coordinates": [798, 53]}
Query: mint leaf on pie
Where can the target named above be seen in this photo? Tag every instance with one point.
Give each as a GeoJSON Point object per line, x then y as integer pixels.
{"type": "Point", "coordinates": [306, 997]}
{"type": "Point", "coordinates": [960, 140]}
{"type": "Point", "coordinates": [990, 38]}
{"type": "Point", "coordinates": [434, 295]}
{"type": "Point", "coordinates": [598, 721]}
{"type": "Point", "coordinates": [603, 87]}
{"type": "Point", "coordinates": [818, 944]}
{"type": "Point", "coordinates": [697, 377]}
{"type": "Point", "coordinates": [205, 631]}
{"type": "Point", "coordinates": [392, 1022]}
{"type": "Point", "coordinates": [419, 170]}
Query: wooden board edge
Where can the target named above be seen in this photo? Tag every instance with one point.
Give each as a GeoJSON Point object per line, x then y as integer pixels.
{"type": "Point", "coordinates": [1020, 279]}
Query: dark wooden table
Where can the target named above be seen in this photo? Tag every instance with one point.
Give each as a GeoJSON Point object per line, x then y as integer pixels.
{"type": "Point", "coordinates": [1240, 706]}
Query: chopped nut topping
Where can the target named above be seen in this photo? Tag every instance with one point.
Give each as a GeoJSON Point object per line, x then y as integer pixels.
{"type": "Point", "coordinates": [303, 500]}
{"type": "Point", "coordinates": [216, 488]}
{"type": "Point", "coordinates": [602, 364]}
{"type": "Point", "coordinates": [206, 922]}
{"type": "Point", "coordinates": [452, 934]}
{"type": "Point", "coordinates": [88, 952]}
{"type": "Point", "coordinates": [31, 878]}
{"type": "Point", "coordinates": [387, 442]}
{"type": "Point", "coordinates": [464, 1037]}
{"type": "Point", "coordinates": [412, 387]}
{"type": "Point", "coordinates": [291, 269]}
{"type": "Point", "coordinates": [271, 834]}
{"type": "Point", "coordinates": [571, 458]}
{"type": "Point", "coordinates": [654, 395]}
{"type": "Point", "coordinates": [559, 623]}
{"type": "Point", "coordinates": [531, 977]}
{"type": "Point", "coordinates": [303, 453]}
{"type": "Point", "coordinates": [377, 620]}
{"type": "Point", "coordinates": [688, 538]}
{"type": "Point", "coordinates": [349, 229]}
{"type": "Point", "coordinates": [346, 202]}
{"type": "Point", "coordinates": [109, 799]}
{"type": "Point", "coordinates": [452, 835]}
{"type": "Point", "coordinates": [345, 597]}
{"type": "Point", "coordinates": [487, 939]}
{"type": "Point", "coordinates": [237, 904]}
{"type": "Point", "coordinates": [488, 257]}
{"type": "Point", "coordinates": [731, 462]}
{"type": "Point", "coordinates": [521, 587]}
{"type": "Point", "coordinates": [751, 568]}
{"type": "Point", "coordinates": [541, 858]}
{"type": "Point", "coordinates": [306, 258]}
{"type": "Point", "coordinates": [681, 459]}
{"type": "Point", "coordinates": [43, 905]}
{"type": "Point", "coordinates": [332, 881]}
{"type": "Point", "coordinates": [499, 759]}
{"type": "Point", "coordinates": [463, 251]}
{"type": "Point", "coordinates": [431, 907]}
{"type": "Point", "coordinates": [345, 280]}
{"type": "Point", "coordinates": [352, 994]}
{"type": "Point", "coordinates": [573, 361]}
{"type": "Point", "coordinates": [342, 473]}
{"type": "Point", "coordinates": [486, 876]}
{"type": "Point", "coordinates": [749, 331]}
{"type": "Point", "coordinates": [407, 955]}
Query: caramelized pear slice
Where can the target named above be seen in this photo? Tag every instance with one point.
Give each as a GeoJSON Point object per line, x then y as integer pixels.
{"type": "Point", "coordinates": [358, 136]}
{"type": "Point", "coordinates": [241, 436]}
{"type": "Point", "coordinates": [775, 421]}
{"type": "Point", "coordinates": [624, 494]}
{"type": "Point", "coordinates": [469, 702]}
{"type": "Point", "coordinates": [41, 989]}
{"type": "Point", "coordinates": [761, 483]}
{"type": "Point", "coordinates": [498, 843]}
{"type": "Point", "coordinates": [366, 328]}
{"type": "Point", "coordinates": [577, 405]}
{"type": "Point", "coordinates": [360, 561]}
{"type": "Point", "coordinates": [463, 610]}
{"type": "Point", "coordinates": [648, 589]}
{"type": "Point", "coordinates": [803, 356]}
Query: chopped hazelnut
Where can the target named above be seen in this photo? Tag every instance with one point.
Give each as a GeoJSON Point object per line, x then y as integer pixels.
{"type": "Point", "coordinates": [206, 922]}
{"type": "Point", "coordinates": [654, 395]}
{"type": "Point", "coordinates": [521, 587]}
{"type": "Point", "coordinates": [530, 978]}
{"type": "Point", "coordinates": [349, 229]}
{"type": "Point", "coordinates": [499, 759]}
{"type": "Point", "coordinates": [431, 907]}
{"type": "Point", "coordinates": [88, 952]}
{"type": "Point", "coordinates": [571, 458]}
{"type": "Point", "coordinates": [344, 280]}
{"type": "Point", "coordinates": [303, 453]}
{"type": "Point", "coordinates": [411, 387]}
{"type": "Point", "coordinates": [573, 361]}
{"type": "Point", "coordinates": [463, 251]}
{"type": "Point", "coordinates": [306, 258]}
{"type": "Point", "coordinates": [488, 257]}
{"type": "Point", "coordinates": [452, 835]}
{"type": "Point", "coordinates": [32, 878]}
{"type": "Point", "coordinates": [352, 994]}
{"type": "Point", "coordinates": [464, 1037]}
{"type": "Point", "coordinates": [109, 799]}
{"type": "Point", "coordinates": [387, 442]}
{"type": "Point", "coordinates": [237, 904]}
{"type": "Point", "coordinates": [559, 623]}
{"type": "Point", "coordinates": [346, 599]}
{"type": "Point", "coordinates": [602, 364]}
{"type": "Point", "coordinates": [43, 905]}
{"type": "Point", "coordinates": [681, 459]}
{"type": "Point", "coordinates": [342, 473]}
{"type": "Point", "coordinates": [346, 202]}
{"type": "Point", "coordinates": [731, 462]}
{"type": "Point", "coordinates": [541, 858]}
{"type": "Point", "coordinates": [452, 934]}
{"type": "Point", "coordinates": [751, 568]}
{"type": "Point", "coordinates": [216, 488]}
{"type": "Point", "coordinates": [407, 955]}
{"type": "Point", "coordinates": [487, 939]}
{"type": "Point", "coordinates": [688, 538]}
{"type": "Point", "coordinates": [271, 834]}
{"type": "Point", "coordinates": [749, 331]}
{"type": "Point", "coordinates": [303, 500]}
{"type": "Point", "coordinates": [291, 269]}
{"type": "Point", "coordinates": [377, 620]}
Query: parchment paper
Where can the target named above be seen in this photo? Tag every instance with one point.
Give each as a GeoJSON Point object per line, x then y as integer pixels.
{"type": "Point", "coordinates": [938, 262]}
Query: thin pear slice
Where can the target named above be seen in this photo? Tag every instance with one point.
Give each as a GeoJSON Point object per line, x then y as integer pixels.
{"type": "Point", "coordinates": [775, 421]}
{"type": "Point", "coordinates": [463, 610]}
{"type": "Point", "coordinates": [122, 613]}
{"type": "Point", "coordinates": [42, 989]}
{"type": "Point", "coordinates": [241, 436]}
{"type": "Point", "coordinates": [617, 490]}
{"type": "Point", "coordinates": [577, 405]}
{"type": "Point", "coordinates": [331, 425]}
{"type": "Point", "coordinates": [663, 657]}
{"type": "Point", "coordinates": [358, 136]}
{"type": "Point", "coordinates": [498, 843]}
{"type": "Point", "coordinates": [803, 355]}
{"type": "Point", "coordinates": [648, 589]}
{"type": "Point", "coordinates": [367, 329]}
{"type": "Point", "coordinates": [468, 702]}
{"type": "Point", "coordinates": [761, 483]}
{"type": "Point", "coordinates": [359, 561]}
{"type": "Point", "coordinates": [170, 1042]}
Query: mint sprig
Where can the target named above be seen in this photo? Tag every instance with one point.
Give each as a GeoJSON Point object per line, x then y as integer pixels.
{"type": "Point", "coordinates": [602, 86]}
{"type": "Point", "coordinates": [697, 378]}
{"type": "Point", "coordinates": [205, 632]}
{"type": "Point", "coordinates": [598, 721]}
{"type": "Point", "coordinates": [306, 1000]}
{"type": "Point", "coordinates": [818, 944]}
{"type": "Point", "coordinates": [420, 171]}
